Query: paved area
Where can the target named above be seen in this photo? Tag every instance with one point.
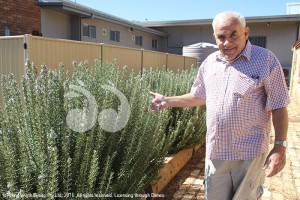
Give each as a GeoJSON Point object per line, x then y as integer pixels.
{"type": "Point", "coordinates": [283, 186]}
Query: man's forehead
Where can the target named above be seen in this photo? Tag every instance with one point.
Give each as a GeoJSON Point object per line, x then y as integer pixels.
{"type": "Point", "coordinates": [225, 32]}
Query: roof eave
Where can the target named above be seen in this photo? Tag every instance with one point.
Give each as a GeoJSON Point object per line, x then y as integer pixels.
{"type": "Point", "coordinates": [263, 19]}
{"type": "Point", "coordinates": [275, 18]}
{"type": "Point", "coordinates": [88, 12]}
{"type": "Point", "coordinates": [297, 44]}
{"type": "Point", "coordinates": [130, 25]}
{"type": "Point", "coordinates": [177, 23]}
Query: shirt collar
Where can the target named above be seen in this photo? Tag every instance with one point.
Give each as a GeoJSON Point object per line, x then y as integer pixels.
{"type": "Point", "coordinates": [245, 53]}
{"type": "Point", "coordinates": [247, 50]}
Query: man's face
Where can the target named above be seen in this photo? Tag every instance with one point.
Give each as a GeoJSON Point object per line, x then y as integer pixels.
{"type": "Point", "coordinates": [230, 37]}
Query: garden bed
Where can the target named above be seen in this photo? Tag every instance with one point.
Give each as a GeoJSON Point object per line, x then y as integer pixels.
{"type": "Point", "coordinates": [173, 164]}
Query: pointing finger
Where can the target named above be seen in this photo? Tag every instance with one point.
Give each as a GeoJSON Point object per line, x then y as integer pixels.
{"type": "Point", "coordinates": [153, 94]}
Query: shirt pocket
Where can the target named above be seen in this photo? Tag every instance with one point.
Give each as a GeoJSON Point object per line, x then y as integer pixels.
{"type": "Point", "coordinates": [245, 85]}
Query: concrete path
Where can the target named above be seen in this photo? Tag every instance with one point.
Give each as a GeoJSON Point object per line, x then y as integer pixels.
{"type": "Point", "coordinates": [283, 186]}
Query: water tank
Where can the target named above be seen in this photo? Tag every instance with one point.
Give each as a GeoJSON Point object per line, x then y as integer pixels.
{"type": "Point", "coordinates": [292, 8]}
{"type": "Point", "coordinates": [200, 51]}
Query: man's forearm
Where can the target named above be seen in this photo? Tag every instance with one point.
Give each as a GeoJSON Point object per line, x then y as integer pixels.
{"type": "Point", "coordinates": [280, 123]}
{"type": "Point", "coordinates": [186, 100]}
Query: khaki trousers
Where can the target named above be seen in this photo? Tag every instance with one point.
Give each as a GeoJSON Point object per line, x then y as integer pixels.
{"type": "Point", "coordinates": [234, 180]}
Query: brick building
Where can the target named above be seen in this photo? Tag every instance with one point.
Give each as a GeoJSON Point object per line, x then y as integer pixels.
{"type": "Point", "coordinates": [18, 17]}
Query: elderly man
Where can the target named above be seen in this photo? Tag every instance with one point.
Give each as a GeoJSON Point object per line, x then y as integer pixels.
{"type": "Point", "coordinates": [244, 90]}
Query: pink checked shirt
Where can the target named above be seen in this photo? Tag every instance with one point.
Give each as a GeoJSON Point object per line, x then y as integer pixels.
{"type": "Point", "coordinates": [240, 96]}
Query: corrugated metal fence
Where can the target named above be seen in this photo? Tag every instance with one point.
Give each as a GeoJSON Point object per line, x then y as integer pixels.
{"type": "Point", "coordinates": [51, 52]}
{"type": "Point", "coordinates": [12, 56]}
{"type": "Point", "coordinates": [15, 50]}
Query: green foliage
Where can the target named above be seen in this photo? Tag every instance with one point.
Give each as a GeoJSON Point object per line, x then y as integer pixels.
{"type": "Point", "coordinates": [186, 126]}
{"type": "Point", "coordinates": [41, 154]}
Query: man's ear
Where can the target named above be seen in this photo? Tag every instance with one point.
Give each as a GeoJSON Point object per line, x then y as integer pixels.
{"type": "Point", "coordinates": [247, 32]}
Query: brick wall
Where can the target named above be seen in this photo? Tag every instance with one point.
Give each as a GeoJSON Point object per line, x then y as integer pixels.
{"type": "Point", "coordinates": [20, 17]}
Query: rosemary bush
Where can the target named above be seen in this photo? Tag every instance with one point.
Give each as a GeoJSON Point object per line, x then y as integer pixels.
{"type": "Point", "coordinates": [186, 126]}
{"type": "Point", "coordinates": [41, 154]}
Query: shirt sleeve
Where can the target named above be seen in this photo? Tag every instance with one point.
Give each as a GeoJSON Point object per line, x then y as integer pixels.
{"type": "Point", "coordinates": [276, 88]}
{"type": "Point", "coordinates": [198, 88]}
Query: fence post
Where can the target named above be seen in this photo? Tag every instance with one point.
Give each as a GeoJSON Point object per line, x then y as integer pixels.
{"type": "Point", "coordinates": [167, 61]}
{"type": "Point", "coordinates": [142, 61]}
{"type": "Point", "coordinates": [25, 41]}
{"type": "Point", "coordinates": [101, 53]}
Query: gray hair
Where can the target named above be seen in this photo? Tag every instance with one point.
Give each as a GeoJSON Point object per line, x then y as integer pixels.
{"type": "Point", "coordinates": [238, 16]}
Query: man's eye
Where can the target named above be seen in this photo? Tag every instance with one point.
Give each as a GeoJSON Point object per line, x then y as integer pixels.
{"type": "Point", "coordinates": [221, 37]}
{"type": "Point", "coordinates": [234, 36]}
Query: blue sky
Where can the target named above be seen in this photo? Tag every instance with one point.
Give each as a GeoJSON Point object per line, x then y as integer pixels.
{"type": "Point", "coordinates": [166, 10]}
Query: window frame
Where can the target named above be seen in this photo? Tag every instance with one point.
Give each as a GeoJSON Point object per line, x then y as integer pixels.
{"type": "Point", "coordinates": [89, 31]}
{"type": "Point", "coordinates": [93, 31]}
{"type": "Point", "coordinates": [154, 43]}
{"type": "Point", "coordinates": [139, 40]}
{"type": "Point", "coordinates": [114, 35]}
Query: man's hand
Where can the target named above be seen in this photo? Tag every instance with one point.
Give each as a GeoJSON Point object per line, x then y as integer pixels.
{"type": "Point", "coordinates": [275, 160]}
{"type": "Point", "coordinates": [159, 102]}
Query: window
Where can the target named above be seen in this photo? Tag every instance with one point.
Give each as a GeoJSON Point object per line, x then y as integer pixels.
{"type": "Point", "coordinates": [139, 40]}
{"type": "Point", "coordinates": [86, 30]}
{"type": "Point", "coordinates": [92, 30]}
{"type": "Point", "coordinates": [259, 41]}
{"type": "Point", "coordinates": [89, 31]}
{"type": "Point", "coordinates": [154, 44]}
{"type": "Point", "coordinates": [115, 36]}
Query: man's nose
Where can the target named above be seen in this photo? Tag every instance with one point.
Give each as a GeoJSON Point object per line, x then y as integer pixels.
{"type": "Point", "coordinates": [227, 40]}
